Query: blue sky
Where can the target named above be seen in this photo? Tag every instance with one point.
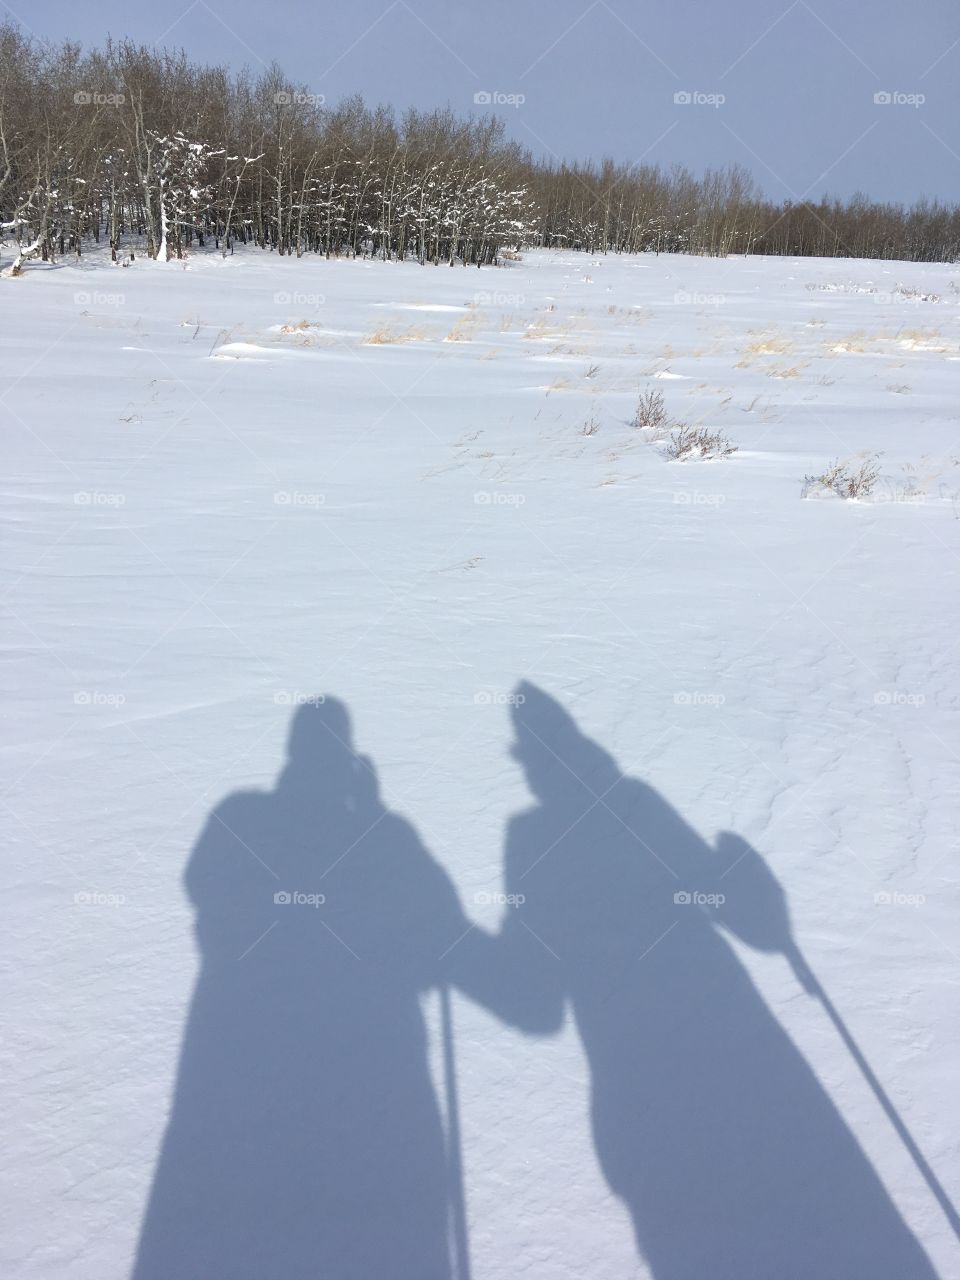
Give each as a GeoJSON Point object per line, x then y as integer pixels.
{"type": "Point", "coordinates": [786, 89]}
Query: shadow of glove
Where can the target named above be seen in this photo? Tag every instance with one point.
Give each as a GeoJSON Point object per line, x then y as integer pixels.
{"type": "Point", "coordinates": [754, 908]}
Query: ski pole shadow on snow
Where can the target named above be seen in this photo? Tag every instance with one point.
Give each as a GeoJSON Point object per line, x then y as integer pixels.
{"type": "Point", "coordinates": [708, 1123]}
{"type": "Point", "coordinates": [306, 1138]}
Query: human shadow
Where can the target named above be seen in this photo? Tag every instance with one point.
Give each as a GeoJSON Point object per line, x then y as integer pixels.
{"type": "Point", "coordinates": [708, 1123]}
{"type": "Point", "coordinates": [305, 1138]}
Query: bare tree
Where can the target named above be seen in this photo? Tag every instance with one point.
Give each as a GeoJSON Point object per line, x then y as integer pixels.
{"type": "Point", "coordinates": [151, 151]}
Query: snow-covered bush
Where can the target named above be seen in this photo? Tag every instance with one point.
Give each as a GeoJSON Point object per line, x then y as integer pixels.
{"type": "Point", "coordinates": [651, 412]}
{"type": "Point", "coordinates": [846, 479]}
{"type": "Point", "coordinates": [697, 442]}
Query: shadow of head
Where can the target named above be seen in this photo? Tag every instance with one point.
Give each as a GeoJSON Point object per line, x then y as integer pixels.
{"type": "Point", "coordinates": [558, 760]}
{"type": "Point", "coordinates": [321, 758]}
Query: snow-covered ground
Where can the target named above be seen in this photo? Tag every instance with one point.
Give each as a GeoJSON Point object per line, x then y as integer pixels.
{"type": "Point", "coordinates": [238, 488]}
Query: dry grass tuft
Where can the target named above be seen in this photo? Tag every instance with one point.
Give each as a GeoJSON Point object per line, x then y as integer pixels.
{"type": "Point", "coordinates": [651, 412]}
{"type": "Point", "coordinates": [463, 331]}
{"type": "Point", "coordinates": [689, 442]}
{"type": "Point", "coordinates": [385, 336]}
{"type": "Point", "coordinates": [845, 479]}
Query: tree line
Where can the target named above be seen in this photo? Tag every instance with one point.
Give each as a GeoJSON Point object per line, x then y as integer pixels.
{"type": "Point", "coordinates": [132, 147]}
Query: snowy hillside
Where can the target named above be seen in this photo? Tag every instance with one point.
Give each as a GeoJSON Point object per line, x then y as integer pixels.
{"type": "Point", "coordinates": [362, 658]}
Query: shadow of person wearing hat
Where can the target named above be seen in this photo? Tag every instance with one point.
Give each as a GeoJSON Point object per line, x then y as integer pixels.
{"type": "Point", "coordinates": [708, 1123]}
{"type": "Point", "coordinates": [305, 1137]}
